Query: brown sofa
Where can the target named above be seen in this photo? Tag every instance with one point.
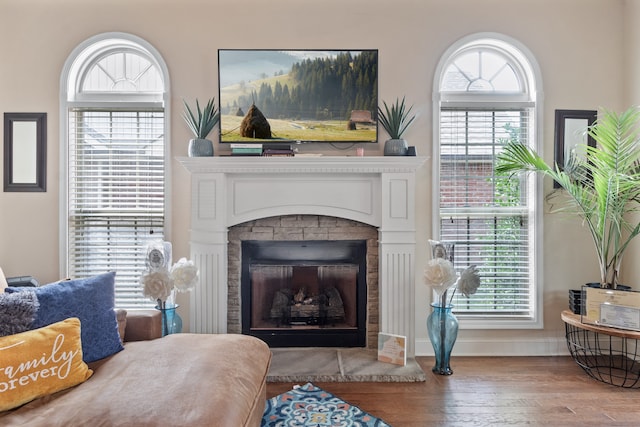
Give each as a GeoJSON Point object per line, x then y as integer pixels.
{"type": "Point", "coordinates": [178, 380]}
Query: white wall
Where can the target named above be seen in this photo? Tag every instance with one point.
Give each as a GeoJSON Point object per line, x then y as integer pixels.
{"type": "Point", "coordinates": [566, 36]}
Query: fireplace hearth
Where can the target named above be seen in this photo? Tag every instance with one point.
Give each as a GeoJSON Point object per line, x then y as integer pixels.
{"type": "Point", "coordinates": [305, 293]}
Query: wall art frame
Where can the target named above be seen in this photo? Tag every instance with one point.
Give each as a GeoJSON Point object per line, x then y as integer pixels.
{"type": "Point", "coordinates": [25, 152]}
{"type": "Point", "coordinates": [570, 132]}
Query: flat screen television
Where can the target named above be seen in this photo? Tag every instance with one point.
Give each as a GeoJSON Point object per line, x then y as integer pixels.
{"type": "Point", "coordinates": [287, 96]}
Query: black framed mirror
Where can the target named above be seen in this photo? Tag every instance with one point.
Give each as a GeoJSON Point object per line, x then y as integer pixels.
{"type": "Point", "coordinates": [25, 152]}
{"type": "Point", "coordinates": [571, 131]}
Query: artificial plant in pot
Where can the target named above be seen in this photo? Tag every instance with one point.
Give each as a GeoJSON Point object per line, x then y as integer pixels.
{"type": "Point", "coordinates": [601, 187]}
{"type": "Point", "coordinates": [201, 124]}
{"type": "Point", "coordinates": [395, 121]}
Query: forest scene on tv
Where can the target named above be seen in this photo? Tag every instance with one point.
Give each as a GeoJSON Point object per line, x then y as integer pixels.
{"type": "Point", "coordinates": [307, 96]}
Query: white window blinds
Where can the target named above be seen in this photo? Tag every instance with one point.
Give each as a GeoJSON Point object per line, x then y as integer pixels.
{"type": "Point", "coordinates": [116, 194]}
{"type": "Point", "coordinates": [487, 217]}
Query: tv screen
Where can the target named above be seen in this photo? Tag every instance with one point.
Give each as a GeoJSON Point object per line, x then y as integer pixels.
{"type": "Point", "coordinates": [271, 96]}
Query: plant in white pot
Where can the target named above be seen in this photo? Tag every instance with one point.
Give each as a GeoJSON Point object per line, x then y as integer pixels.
{"type": "Point", "coordinates": [602, 187]}
{"type": "Point", "coordinates": [201, 124]}
{"type": "Point", "coordinates": [395, 121]}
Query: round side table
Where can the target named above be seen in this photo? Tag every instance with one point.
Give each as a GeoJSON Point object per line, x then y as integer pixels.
{"type": "Point", "coordinates": [607, 354]}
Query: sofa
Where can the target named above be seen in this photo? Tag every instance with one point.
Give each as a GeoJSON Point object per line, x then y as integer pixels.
{"type": "Point", "coordinates": [177, 380]}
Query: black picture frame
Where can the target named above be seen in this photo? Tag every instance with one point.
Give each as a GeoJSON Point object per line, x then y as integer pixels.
{"type": "Point", "coordinates": [25, 152]}
{"type": "Point", "coordinates": [570, 131]}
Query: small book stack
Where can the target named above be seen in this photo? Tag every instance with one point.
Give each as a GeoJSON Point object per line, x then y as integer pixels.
{"type": "Point", "coordinates": [575, 301]}
{"type": "Point", "coordinates": [278, 150]}
{"type": "Point", "coordinates": [246, 149]}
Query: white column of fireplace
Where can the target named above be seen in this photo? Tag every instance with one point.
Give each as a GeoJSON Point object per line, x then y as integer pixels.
{"type": "Point", "coordinates": [379, 191]}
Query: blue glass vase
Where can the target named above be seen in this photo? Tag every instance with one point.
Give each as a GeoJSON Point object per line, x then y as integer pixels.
{"type": "Point", "coordinates": [171, 320]}
{"type": "Point", "coordinates": [443, 331]}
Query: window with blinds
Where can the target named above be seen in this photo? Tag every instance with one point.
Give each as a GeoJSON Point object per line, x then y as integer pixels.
{"type": "Point", "coordinates": [114, 92]}
{"type": "Point", "coordinates": [486, 216]}
{"type": "Point", "coordinates": [486, 96]}
{"type": "Point", "coordinates": [116, 194]}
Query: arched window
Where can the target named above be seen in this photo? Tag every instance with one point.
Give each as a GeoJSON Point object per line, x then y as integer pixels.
{"type": "Point", "coordinates": [114, 98]}
{"type": "Point", "coordinates": [488, 91]}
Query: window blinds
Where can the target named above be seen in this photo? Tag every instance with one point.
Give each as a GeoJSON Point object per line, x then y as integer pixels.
{"type": "Point", "coordinates": [116, 195]}
{"type": "Point", "coordinates": [486, 216]}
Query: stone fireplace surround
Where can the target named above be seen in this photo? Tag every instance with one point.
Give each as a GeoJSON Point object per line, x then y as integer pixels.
{"type": "Point", "coordinates": [301, 228]}
{"type": "Point", "coordinates": [378, 191]}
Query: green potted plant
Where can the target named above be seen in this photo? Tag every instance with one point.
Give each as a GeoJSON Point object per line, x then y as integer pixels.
{"type": "Point", "coordinates": [602, 188]}
{"type": "Point", "coordinates": [201, 124]}
{"type": "Point", "coordinates": [395, 121]}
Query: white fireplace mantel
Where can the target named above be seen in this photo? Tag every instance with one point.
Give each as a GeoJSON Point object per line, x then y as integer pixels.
{"type": "Point", "coordinates": [379, 191]}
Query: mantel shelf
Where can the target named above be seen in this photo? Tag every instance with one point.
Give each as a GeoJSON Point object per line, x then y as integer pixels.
{"type": "Point", "coordinates": [302, 164]}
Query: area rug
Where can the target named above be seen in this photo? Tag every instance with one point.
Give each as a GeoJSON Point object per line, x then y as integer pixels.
{"type": "Point", "coordinates": [338, 365]}
{"type": "Point", "coordinates": [310, 406]}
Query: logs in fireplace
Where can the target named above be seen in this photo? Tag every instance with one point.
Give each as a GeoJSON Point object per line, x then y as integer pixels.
{"type": "Point", "coordinates": [289, 309]}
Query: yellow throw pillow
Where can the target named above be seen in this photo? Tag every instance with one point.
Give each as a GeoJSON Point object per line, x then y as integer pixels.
{"type": "Point", "coordinates": [41, 362]}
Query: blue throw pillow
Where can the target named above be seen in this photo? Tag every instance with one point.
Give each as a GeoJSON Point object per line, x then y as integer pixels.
{"type": "Point", "coordinates": [92, 301]}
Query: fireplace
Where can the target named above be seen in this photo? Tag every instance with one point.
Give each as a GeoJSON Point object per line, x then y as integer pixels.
{"type": "Point", "coordinates": [305, 293]}
{"type": "Point", "coordinates": [227, 192]}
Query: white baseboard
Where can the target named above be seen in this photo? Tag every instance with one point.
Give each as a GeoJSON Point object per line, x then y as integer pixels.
{"type": "Point", "coordinates": [497, 347]}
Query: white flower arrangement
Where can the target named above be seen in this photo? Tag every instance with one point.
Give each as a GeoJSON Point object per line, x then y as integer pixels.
{"type": "Point", "coordinates": [159, 282]}
{"type": "Point", "coordinates": [157, 285]}
{"type": "Point", "coordinates": [184, 274]}
{"type": "Point", "coordinates": [469, 281]}
{"type": "Point", "coordinates": [440, 274]}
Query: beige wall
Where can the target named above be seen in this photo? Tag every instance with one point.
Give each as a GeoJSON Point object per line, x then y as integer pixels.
{"type": "Point", "coordinates": [36, 36]}
{"type": "Point", "coordinates": [631, 266]}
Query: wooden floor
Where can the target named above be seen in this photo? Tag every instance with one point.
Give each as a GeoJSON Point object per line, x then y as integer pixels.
{"type": "Point", "coordinates": [493, 391]}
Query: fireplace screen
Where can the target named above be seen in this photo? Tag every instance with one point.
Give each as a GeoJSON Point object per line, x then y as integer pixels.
{"type": "Point", "coordinates": [309, 293]}
{"type": "Point", "coordinates": [286, 296]}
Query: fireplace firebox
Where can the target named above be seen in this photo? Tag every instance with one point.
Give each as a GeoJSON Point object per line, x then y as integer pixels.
{"type": "Point", "coordinates": [305, 293]}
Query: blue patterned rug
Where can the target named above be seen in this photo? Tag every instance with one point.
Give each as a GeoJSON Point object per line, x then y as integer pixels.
{"type": "Point", "coordinates": [310, 406]}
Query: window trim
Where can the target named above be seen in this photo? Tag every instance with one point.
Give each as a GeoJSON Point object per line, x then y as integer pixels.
{"type": "Point", "coordinates": [524, 59]}
{"type": "Point", "coordinates": [74, 67]}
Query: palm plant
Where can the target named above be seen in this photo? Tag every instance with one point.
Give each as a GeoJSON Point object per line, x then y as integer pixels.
{"type": "Point", "coordinates": [202, 123]}
{"type": "Point", "coordinates": [395, 120]}
{"type": "Point", "coordinates": [603, 187]}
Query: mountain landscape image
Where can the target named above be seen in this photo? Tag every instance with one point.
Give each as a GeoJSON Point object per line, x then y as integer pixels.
{"type": "Point", "coordinates": [308, 96]}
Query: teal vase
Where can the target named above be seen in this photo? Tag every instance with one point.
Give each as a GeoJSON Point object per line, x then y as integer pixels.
{"type": "Point", "coordinates": [442, 325]}
{"type": "Point", "coordinates": [171, 320]}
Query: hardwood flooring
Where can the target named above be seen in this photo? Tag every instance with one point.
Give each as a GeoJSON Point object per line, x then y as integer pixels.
{"type": "Point", "coordinates": [493, 391]}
